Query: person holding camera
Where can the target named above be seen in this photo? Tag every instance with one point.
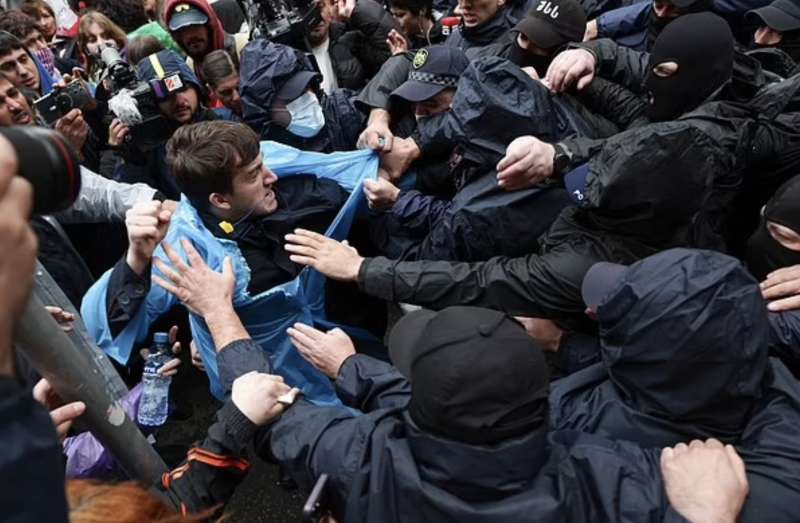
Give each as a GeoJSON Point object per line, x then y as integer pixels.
{"type": "Point", "coordinates": [183, 103]}
{"type": "Point", "coordinates": [100, 201]}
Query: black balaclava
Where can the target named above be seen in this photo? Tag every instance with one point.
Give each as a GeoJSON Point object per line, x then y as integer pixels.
{"type": "Point", "coordinates": [655, 24]}
{"type": "Point", "coordinates": [764, 253]}
{"type": "Point", "coordinates": [702, 46]}
{"type": "Point", "coordinates": [789, 44]}
{"type": "Point", "coordinates": [523, 58]}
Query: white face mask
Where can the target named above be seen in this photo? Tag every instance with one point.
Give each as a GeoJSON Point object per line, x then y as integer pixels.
{"type": "Point", "coordinates": [307, 117]}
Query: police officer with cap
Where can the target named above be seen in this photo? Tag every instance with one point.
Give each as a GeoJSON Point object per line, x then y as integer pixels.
{"type": "Point", "coordinates": [433, 78]}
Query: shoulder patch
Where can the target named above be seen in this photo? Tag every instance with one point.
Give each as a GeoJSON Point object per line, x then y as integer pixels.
{"type": "Point", "coordinates": [420, 58]}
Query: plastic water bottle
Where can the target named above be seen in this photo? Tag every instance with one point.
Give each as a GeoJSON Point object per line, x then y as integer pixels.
{"type": "Point", "coordinates": [154, 405]}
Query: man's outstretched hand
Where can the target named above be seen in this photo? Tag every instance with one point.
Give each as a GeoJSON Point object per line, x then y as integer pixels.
{"type": "Point", "coordinates": [201, 289]}
{"type": "Point", "coordinates": [336, 260]}
{"type": "Point", "coordinates": [324, 350]}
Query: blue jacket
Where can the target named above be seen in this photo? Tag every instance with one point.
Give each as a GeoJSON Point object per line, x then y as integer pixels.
{"type": "Point", "coordinates": [266, 315]}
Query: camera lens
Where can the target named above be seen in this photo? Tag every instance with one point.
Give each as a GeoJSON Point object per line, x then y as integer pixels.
{"type": "Point", "coordinates": [64, 103]}
{"type": "Point", "coordinates": [49, 163]}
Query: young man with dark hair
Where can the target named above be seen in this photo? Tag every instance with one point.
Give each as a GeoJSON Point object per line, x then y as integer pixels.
{"type": "Point", "coordinates": [219, 167]}
{"type": "Point", "coordinates": [28, 31]}
{"type": "Point", "coordinates": [19, 66]}
{"type": "Point", "coordinates": [236, 201]}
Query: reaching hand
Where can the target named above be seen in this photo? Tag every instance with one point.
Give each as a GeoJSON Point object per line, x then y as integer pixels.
{"type": "Point", "coordinates": [197, 360]}
{"type": "Point", "coordinates": [397, 42]}
{"type": "Point", "coordinates": [170, 368]}
{"type": "Point", "coordinates": [528, 161]}
{"type": "Point", "coordinates": [544, 332]}
{"type": "Point", "coordinates": [574, 67]}
{"type": "Point", "coordinates": [200, 289]}
{"type": "Point", "coordinates": [147, 224]}
{"type": "Point", "coordinates": [325, 351]}
{"type": "Point", "coordinates": [591, 30]}
{"type": "Point", "coordinates": [334, 259]}
{"type": "Point", "coordinates": [782, 289]}
{"type": "Point", "coordinates": [262, 397]}
{"type": "Point", "coordinates": [62, 317]}
{"type": "Point", "coordinates": [381, 193]}
{"type": "Point", "coordinates": [705, 482]}
{"type": "Point", "coordinates": [62, 415]}
{"type": "Point", "coordinates": [377, 135]}
{"type": "Point", "coordinates": [74, 128]}
{"type": "Point", "coordinates": [397, 161]}
{"type": "Point", "coordinates": [345, 9]}
{"type": "Point", "coordinates": [117, 133]}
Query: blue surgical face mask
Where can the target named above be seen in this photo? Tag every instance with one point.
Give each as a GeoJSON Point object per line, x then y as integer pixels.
{"type": "Point", "coordinates": [307, 117]}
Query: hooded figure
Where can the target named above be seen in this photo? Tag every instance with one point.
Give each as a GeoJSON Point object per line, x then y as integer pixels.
{"type": "Point", "coordinates": [684, 338]}
{"type": "Point", "coordinates": [691, 59]}
{"type": "Point", "coordinates": [765, 253]}
{"type": "Point", "coordinates": [282, 101]}
{"type": "Point", "coordinates": [150, 167]}
{"type": "Point", "coordinates": [428, 448]}
{"type": "Point", "coordinates": [180, 14]}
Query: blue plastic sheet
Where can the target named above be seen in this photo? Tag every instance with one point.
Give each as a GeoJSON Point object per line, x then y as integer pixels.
{"type": "Point", "coordinates": [266, 316]}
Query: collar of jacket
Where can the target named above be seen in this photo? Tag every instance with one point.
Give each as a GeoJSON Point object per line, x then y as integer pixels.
{"type": "Point", "coordinates": [476, 472]}
{"type": "Point", "coordinates": [487, 32]}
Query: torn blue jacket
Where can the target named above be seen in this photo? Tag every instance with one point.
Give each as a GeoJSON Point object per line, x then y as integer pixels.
{"type": "Point", "coordinates": [266, 316]}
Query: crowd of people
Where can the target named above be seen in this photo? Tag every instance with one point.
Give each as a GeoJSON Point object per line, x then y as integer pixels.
{"type": "Point", "coordinates": [465, 260]}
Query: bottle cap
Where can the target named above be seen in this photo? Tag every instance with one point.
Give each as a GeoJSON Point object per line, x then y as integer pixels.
{"type": "Point", "coordinates": [160, 338]}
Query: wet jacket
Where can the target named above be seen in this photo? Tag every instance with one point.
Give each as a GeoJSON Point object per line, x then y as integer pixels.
{"type": "Point", "coordinates": [382, 467]}
{"type": "Point", "coordinates": [648, 189]}
{"type": "Point", "coordinates": [266, 66]}
{"type": "Point", "coordinates": [358, 48]}
{"type": "Point", "coordinates": [495, 102]}
{"type": "Point", "coordinates": [684, 340]}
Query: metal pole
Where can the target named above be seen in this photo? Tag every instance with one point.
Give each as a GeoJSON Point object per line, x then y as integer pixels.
{"type": "Point", "coordinates": [75, 374]}
{"type": "Point", "coordinates": [48, 291]}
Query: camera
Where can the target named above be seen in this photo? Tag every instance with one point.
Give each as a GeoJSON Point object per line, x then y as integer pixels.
{"type": "Point", "coordinates": [56, 104]}
{"type": "Point", "coordinates": [48, 162]}
{"type": "Point", "coordinates": [283, 21]}
{"type": "Point", "coordinates": [135, 103]}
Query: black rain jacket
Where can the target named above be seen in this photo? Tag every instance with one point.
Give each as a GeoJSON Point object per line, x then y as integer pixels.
{"type": "Point", "coordinates": [686, 358]}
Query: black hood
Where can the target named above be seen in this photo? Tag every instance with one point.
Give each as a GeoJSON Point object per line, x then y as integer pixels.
{"type": "Point", "coordinates": [684, 337]}
{"type": "Point", "coordinates": [702, 47]}
{"type": "Point", "coordinates": [496, 102]}
{"type": "Point", "coordinates": [650, 183]}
